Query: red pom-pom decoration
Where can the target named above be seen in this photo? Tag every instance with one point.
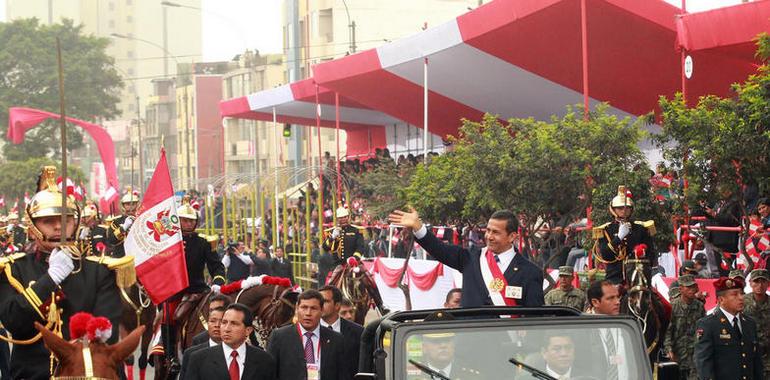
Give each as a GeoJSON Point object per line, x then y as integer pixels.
{"type": "Point", "coordinates": [640, 250]}
{"type": "Point", "coordinates": [78, 324]}
{"type": "Point", "coordinates": [724, 266]}
{"type": "Point", "coordinates": [100, 246]}
{"type": "Point", "coordinates": [100, 329]}
{"type": "Point", "coordinates": [352, 261]}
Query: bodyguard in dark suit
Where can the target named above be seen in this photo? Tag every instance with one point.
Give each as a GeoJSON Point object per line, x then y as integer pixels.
{"type": "Point", "coordinates": [296, 347]}
{"type": "Point", "coordinates": [351, 331]}
{"type": "Point", "coordinates": [726, 344]}
{"type": "Point", "coordinates": [523, 281]}
{"type": "Point", "coordinates": [281, 266]}
{"type": "Point", "coordinates": [214, 338]}
{"type": "Point", "coordinates": [233, 359]}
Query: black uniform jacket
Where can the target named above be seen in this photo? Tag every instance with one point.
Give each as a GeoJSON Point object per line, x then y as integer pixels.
{"type": "Point", "coordinates": [722, 353]}
{"type": "Point", "coordinates": [198, 255]}
{"type": "Point", "coordinates": [90, 288]}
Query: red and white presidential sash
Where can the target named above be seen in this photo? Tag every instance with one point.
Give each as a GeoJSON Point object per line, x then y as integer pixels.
{"type": "Point", "coordinates": [495, 281]}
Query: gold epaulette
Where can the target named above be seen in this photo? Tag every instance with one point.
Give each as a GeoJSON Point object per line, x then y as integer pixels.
{"type": "Point", "coordinates": [10, 259]}
{"type": "Point", "coordinates": [649, 225]}
{"type": "Point", "coordinates": [598, 232]}
{"type": "Point", "coordinates": [358, 227]}
{"type": "Point", "coordinates": [125, 273]}
{"type": "Point", "coordinates": [105, 226]}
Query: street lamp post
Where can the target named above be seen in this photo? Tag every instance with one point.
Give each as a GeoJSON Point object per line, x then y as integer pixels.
{"type": "Point", "coordinates": [352, 26]}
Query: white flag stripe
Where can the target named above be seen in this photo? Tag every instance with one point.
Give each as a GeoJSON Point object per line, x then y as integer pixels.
{"type": "Point", "coordinates": [141, 242]}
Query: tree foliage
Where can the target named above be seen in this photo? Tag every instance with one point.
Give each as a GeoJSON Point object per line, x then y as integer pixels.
{"type": "Point", "coordinates": [29, 78]}
{"type": "Point", "coordinates": [546, 171]}
{"type": "Point", "coordinates": [384, 187]}
{"type": "Point", "coordinates": [721, 143]}
{"type": "Point", "coordinates": [24, 178]}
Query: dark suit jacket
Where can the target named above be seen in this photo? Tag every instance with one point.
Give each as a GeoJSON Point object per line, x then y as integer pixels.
{"type": "Point", "coordinates": [188, 352]}
{"type": "Point", "coordinates": [351, 334]}
{"type": "Point", "coordinates": [521, 272]}
{"type": "Point", "coordinates": [719, 354]}
{"type": "Point", "coordinates": [286, 347]}
{"type": "Point", "coordinates": [282, 269]}
{"type": "Point", "coordinates": [202, 337]}
{"type": "Point", "coordinates": [209, 363]}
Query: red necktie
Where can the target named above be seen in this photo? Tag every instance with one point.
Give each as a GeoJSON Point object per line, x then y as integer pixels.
{"type": "Point", "coordinates": [235, 371]}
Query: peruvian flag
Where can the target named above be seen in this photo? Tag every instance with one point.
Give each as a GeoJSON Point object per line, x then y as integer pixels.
{"type": "Point", "coordinates": [155, 239]}
{"type": "Point", "coordinates": [2, 200]}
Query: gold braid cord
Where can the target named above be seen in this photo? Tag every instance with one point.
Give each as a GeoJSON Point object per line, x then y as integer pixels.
{"type": "Point", "coordinates": [620, 254]}
{"type": "Point", "coordinates": [53, 321]}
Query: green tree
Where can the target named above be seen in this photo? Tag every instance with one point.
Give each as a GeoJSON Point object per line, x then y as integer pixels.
{"type": "Point", "coordinates": [29, 78]}
{"type": "Point", "coordinates": [25, 175]}
{"type": "Point", "coordinates": [384, 187]}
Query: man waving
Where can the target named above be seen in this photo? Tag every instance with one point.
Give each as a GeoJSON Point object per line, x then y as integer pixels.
{"type": "Point", "coordinates": [498, 276]}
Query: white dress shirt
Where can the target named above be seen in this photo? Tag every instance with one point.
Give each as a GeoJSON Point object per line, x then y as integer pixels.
{"type": "Point", "coordinates": [316, 342]}
{"type": "Point", "coordinates": [731, 317]}
{"type": "Point", "coordinates": [555, 374]}
{"type": "Point", "coordinates": [241, 256]}
{"type": "Point", "coordinates": [213, 343]}
{"type": "Point", "coordinates": [241, 358]}
{"type": "Point", "coordinates": [620, 350]}
{"type": "Point", "coordinates": [336, 326]}
{"type": "Point", "coordinates": [505, 257]}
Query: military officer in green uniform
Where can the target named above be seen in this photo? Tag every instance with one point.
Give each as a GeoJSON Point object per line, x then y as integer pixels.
{"type": "Point", "coordinates": [757, 307]}
{"type": "Point", "coordinates": [49, 282]}
{"type": "Point", "coordinates": [686, 310]}
{"type": "Point", "coordinates": [566, 294]}
{"type": "Point", "coordinates": [726, 342]}
{"type": "Point", "coordinates": [617, 241]}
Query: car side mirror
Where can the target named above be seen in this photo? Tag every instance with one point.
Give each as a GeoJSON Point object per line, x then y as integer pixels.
{"type": "Point", "coordinates": [668, 371]}
{"type": "Point", "coordinates": [365, 376]}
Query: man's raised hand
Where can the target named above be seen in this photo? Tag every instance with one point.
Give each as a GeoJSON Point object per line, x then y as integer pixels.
{"type": "Point", "coordinates": [408, 219]}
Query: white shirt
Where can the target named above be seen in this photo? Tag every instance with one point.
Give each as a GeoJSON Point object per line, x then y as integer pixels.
{"type": "Point", "coordinates": [243, 257]}
{"type": "Point", "coordinates": [316, 340]}
{"type": "Point", "coordinates": [620, 350]}
{"type": "Point", "coordinates": [731, 317]}
{"type": "Point", "coordinates": [555, 374]}
{"type": "Point", "coordinates": [213, 343]}
{"type": "Point", "coordinates": [240, 359]}
{"type": "Point", "coordinates": [336, 326]}
{"type": "Point", "coordinates": [505, 257]}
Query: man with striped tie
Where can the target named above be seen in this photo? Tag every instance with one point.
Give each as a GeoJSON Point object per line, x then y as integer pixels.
{"type": "Point", "coordinates": [306, 350]}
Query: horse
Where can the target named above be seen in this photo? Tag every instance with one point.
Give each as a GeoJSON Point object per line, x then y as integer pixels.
{"type": "Point", "coordinates": [138, 310]}
{"type": "Point", "coordinates": [646, 306]}
{"type": "Point", "coordinates": [272, 305]}
{"type": "Point", "coordinates": [104, 359]}
{"type": "Point", "coordinates": [357, 285]}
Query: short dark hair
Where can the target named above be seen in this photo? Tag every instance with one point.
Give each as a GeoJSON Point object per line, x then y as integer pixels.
{"type": "Point", "coordinates": [309, 295]}
{"type": "Point", "coordinates": [453, 291]}
{"type": "Point", "coordinates": [555, 334]}
{"type": "Point", "coordinates": [596, 290]}
{"type": "Point", "coordinates": [247, 314]}
{"type": "Point", "coordinates": [346, 302]}
{"type": "Point", "coordinates": [511, 221]}
{"type": "Point", "coordinates": [336, 292]}
{"type": "Point", "coordinates": [764, 201]}
{"type": "Point", "coordinates": [221, 297]}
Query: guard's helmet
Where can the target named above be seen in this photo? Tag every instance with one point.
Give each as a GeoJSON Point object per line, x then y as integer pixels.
{"type": "Point", "coordinates": [131, 196]}
{"type": "Point", "coordinates": [623, 199]}
{"type": "Point", "coordinates": [342, 212]}
{"type": "Point", "coordinates": [186, 210]}
{"type": "Point", "coordinates": [90, 211]}
{"type": "Point", "coordinates": [48, 202]}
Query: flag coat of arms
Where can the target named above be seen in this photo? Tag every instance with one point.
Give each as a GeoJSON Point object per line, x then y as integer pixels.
{"type": "Point", "coordinates": [155, 239]}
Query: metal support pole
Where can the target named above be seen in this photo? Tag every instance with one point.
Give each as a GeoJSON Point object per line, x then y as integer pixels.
{"type": "Point", "coordinates": [425, 113]}
{"type": "Point", "coordinates": [584, 40]}
{"type": "Point", "coordinates": [139, 137]}
{"type": "Point", "coordinates": [337, 127]}
{"type": "Point", "coordinates": [275, 192]}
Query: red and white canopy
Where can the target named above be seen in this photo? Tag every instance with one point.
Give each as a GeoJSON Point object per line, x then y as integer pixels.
{"type": "Point", "coordinates": [523, 58]}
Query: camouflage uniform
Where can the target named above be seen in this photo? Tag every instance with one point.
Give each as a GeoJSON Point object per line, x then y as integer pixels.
{"type": "Point", "coordinates": [574, 298]}
{"type": "Point", "coordinates": [680, 336]}
{"type": "Point", "coordinates": [760, 312]}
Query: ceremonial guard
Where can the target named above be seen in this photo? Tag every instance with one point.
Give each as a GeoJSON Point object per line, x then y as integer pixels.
{"type": "Point", "coordinates": [50, 281]}
{"type": "Point", "coordinates": [757, 306]}
{"type": "Point", "coordinates": [618, 240]}
{"type": "Point", "coordinates": [118, 226]}
{"type": "Point", "coordinates": [726, 345]}
{"type": "Point", "coordinates": [566, 294]}
{"type": "Point", "coordinates": [17, 232]}
{"type": "Point", "coordinates": [686, 310]}
{"type": "Point", "coordinates": [92, 235]}
{"type": "Point", "coordinates": [345, 240]}
{"type": "Point", "coordinates": [198, 254]}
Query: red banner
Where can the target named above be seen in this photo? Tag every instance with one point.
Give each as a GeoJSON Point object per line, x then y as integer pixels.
{"type": "Point", "coordinates": [424, 281]}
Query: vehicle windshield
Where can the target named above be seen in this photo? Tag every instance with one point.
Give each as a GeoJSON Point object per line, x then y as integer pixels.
{"type": "Point", "coordinates": [574, 351]}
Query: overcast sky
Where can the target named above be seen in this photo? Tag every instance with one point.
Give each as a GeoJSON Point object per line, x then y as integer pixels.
{"type": "Point", "coordinates": [230, 26]}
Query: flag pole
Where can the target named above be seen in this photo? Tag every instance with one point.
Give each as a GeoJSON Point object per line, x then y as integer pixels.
{"type": "Point", "coordinates": [63, 134]}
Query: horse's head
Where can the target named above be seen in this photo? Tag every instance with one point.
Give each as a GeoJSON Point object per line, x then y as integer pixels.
{"type": "Point", "coordinates": [104, 359]}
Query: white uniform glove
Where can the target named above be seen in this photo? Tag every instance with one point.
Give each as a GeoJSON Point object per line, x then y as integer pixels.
{"type": "Point", "coordinates": [9, 229]}
{"type": "Point", "coordinates": [335, 233]}
{"type": "Point", "coordinates": [216, 289]}
{"type": "Point", "coordinates": [84, 232]}
{"type": "Point", "coordinates": [60, 265]}
{"type": "Point", "coordinates": [624, 230]}
{"type": "Point", "coordinates": [127, 223]}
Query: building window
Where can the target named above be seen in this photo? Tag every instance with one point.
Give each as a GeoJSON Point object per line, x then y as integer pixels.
{"type": "Point", "coordinates": [130, 71]}
{"type": "Point", "coordinates": [111, 24]}
{"type": "Point", "coordinates": [112, 6]}
{"type": "Point", "coordinates": [130, 54]}
{"type": "Point", "coordinates": [129, 2]}
{"type": "Point", "coordinates": [129, 19]}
